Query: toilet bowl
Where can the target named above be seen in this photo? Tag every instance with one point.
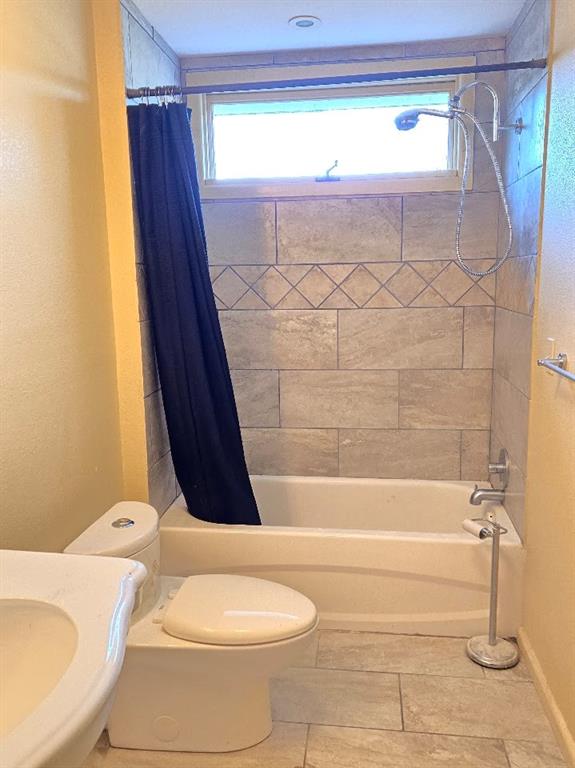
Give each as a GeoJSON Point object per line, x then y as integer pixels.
{"type": "Point", "coordinates": [200, 651]}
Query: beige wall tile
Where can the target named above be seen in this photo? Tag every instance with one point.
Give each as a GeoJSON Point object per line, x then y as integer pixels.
{"type": "Point", "coordinates": [445, 399]}
{"type": "Point", "coordinates": [429, 225]}
{"type": "Point", "coordinates": [533, 111]}
{"type": "Point", "coordinates": [512, 358]}
{"type": "Point", "coordinates": [229, 287]}
{"type": "Point", "coordinates": [291, 451]}
{"type": "Point", "coordinates": [143, 304]}
{"type": "Point", "coordinates": [280, 338]}
{"type": "Point", "coordinates": [516, 285]}
{"type": "Point", "coordinates": [331, 747]}
{"type": "Point", "coordinates": [162, 483]}
{"type": "Point", "coordinates": [355, 53]}
{"type": "Point", "coordinates": [149, 368]}
{"type": "Point", "coordinates": [413, 453]}
{"type": "Point", "coordinates": [400, 338]}
{"type": "Point", "coordinates": [360, 286]}
{"type": "Point", "coordinates": [484, 178]}
{"type": "Point", "coordinates": [509, 419]}
{"type": "Point", "coordinates": [478, 325]}
{"type": "Point", "coordinates": [505, 710]}
{"type": "Point", "coordinates": [272, 287]}
{"type": "Point", "coordinates": [474, 454]}
{"type": "Point", "coordinates": [530, 40]}
{"type": "Point", "coordinates": [406, 284]}
{"type": "Point", "coordinates": [483, 102]}
{"type": "Point", "coordinates": [344, 230]}
{"type": "Point", "coordinates": [316, 286]}
{"type": "Point", "coordinates": [157, 441]}
{"type": "Point", "coordinates": [126, 46]}
{"type": "Point", "coordinates": [149, 63]}
{"type": "Point", "coordinates": [333, 697]}
{"type": "Point", "coordinates": [454, 46]}
{"type": "Point", "coordinates": [514, 501]}
{"type": "Point", "coordinates": [257, 398]}
{"type": "Point", "coordinates": [225, 61]}
{"type": "Point", "coordinates": [524, 198]}
{"type": "Point", "coordinates": [240, 233]}
{"type": "Point", "coordinates": [339, 398]}
{"type": "Point", "coordinates": [452, 283]}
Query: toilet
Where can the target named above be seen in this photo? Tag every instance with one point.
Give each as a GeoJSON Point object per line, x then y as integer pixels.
{"type": "Point", "coordinates": [200, 650]}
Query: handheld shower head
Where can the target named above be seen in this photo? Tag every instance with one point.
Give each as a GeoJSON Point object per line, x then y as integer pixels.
{"type": "Point", "coordinates": [407, 120]}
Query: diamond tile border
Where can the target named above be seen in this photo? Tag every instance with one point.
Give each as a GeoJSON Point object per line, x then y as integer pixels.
{"type": "Point", "coordinates": [346, 286]}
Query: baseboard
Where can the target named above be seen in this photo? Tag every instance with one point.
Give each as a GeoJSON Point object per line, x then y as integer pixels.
{"type": "Point", "coordinates": [565, 738]}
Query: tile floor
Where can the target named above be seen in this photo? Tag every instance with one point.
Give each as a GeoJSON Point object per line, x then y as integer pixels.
{"type": "Point", "coordinates": [371, 700]}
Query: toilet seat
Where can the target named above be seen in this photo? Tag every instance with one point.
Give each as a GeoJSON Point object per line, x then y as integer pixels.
{"type": "Point", "coordinates": [237, 610]}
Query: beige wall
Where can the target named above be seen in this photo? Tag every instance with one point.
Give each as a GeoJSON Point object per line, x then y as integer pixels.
{"type": "Point", "coordinates": [148, 60]}
{"type": "Point", "coordinates": [368, 347]}
{"type": "Point", "coordinates": [64, 435]}
{"type": "Point", "coordinates": [515, 283]}
{"type": "Point", "coordinates": [549, 613]}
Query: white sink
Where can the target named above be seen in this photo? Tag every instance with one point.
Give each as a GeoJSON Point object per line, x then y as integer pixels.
{"type": "Point", "coordinates": [63, 624]}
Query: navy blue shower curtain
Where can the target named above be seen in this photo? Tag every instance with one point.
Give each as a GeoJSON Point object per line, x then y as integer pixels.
{"type": "Point", "coordinates": [197, 391]}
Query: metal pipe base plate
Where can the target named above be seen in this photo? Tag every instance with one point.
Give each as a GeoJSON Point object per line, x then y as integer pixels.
{"type": "Point", "coordinates": [503, 655]}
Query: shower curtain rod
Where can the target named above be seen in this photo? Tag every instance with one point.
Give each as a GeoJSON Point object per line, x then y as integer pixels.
{"type": "Point", "coordinates": [177, 90]}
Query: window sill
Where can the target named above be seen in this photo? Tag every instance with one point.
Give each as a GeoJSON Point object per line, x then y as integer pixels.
{"type": "Point", "coordinates": [394, 184]}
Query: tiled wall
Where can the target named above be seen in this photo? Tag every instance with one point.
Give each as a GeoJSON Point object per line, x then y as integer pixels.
{"type": "Point", "coordinates": [515, 282]}
{"type": "Point", "coordinates": [357, 345]}
{"type": "Point", "coordinates": [148, 60]}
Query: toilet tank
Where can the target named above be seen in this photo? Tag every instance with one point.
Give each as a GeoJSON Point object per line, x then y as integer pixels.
{"type": "Point", "coordinates": [128, 529]}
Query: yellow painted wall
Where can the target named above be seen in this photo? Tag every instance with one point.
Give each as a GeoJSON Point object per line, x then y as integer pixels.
{"type": "Point", "coordinates": [549, 615]}
{"type": "Point", "coordinates": [67, 434]}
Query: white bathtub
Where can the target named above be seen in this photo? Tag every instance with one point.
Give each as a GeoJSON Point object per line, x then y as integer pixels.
{"type": "Point", "coordinates": [382, 555]}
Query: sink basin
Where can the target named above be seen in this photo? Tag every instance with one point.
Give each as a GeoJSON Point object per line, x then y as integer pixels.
{"type": "Point", "coordinates": [63, 624]}
{"type": "Point", "coordinates": [37, 644]}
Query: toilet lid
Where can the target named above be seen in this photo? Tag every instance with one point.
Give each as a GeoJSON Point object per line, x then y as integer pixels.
{"type": "Point", "coordinates": [237, 610]}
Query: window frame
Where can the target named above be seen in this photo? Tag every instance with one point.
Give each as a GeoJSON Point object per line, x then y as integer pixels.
{"type": "Point", "coordinates": [372, 185]}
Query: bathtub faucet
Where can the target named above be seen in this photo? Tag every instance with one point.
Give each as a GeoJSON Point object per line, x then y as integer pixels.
{"type": "Point", "coordinates": [480, 495]}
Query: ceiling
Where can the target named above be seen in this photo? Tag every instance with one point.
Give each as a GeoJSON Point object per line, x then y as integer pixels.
{"type": "Point", "coordinates": [233, 26]}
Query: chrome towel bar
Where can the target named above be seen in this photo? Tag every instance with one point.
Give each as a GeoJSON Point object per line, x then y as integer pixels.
{"type": "Point", "coordinates": [557, 364]}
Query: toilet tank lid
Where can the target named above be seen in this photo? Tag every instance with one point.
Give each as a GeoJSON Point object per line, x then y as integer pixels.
{"type": "Point", "coordinates": [136, 526]}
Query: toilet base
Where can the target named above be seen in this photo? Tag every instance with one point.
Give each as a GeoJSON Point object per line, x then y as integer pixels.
{"type": "Point", "coordinates": [184, 696]}
{"type": "Point", "coordinates": [187, 716]}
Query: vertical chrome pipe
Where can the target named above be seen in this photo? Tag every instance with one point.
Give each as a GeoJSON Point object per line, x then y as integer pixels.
{"type": "Point", "coordinates": [494, 584]}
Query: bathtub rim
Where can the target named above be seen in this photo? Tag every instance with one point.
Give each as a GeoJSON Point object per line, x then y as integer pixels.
{"type": "Point", "coordinates": [177, 515]}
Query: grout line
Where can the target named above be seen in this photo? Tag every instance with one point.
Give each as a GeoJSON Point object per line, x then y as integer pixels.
{"type": "Point", "coordinates": [306, 745]}
{"type": "Point", "coordinates": [492, 739]}
{"type": "Point", "coordinates": [506, 753]}
{"type": "Point", "coordinates": [276, 231]}
{"type": "Point", "coordinates": [401, 702]}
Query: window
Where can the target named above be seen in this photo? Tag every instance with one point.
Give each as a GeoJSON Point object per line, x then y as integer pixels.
{"type": "Point", "coordinates": [280, 143]}
{"type": "Point", "coordinates": [303, 136]}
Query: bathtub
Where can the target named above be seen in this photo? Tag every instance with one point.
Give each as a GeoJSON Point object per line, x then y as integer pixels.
{"type": "Point", "coordinates": [379, 555]}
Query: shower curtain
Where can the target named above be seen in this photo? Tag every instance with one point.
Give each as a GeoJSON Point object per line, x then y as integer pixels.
{"type": "Point", "coordinates": [197, 391]}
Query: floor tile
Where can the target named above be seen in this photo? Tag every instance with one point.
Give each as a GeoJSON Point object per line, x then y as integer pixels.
{"type": "Point", "coordinates": [361, 748]}
{"type": "Point", "coordinates": [285, 748]}
{"type": "Point", "coordinates": [377, 652]}
{"type": "Point", "coordinates": [518, 673]}
{"type": "Point", "coordinates": [506, 710]}
{"type": "Point", "coordinates": [309, 656]}
{"type": "Point", "coordinates": [525, 754]}
{"type": "Point", "coordinates": [334, 697]}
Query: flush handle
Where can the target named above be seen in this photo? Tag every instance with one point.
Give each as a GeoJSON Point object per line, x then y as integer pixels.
{"type": "Point", "coordinates": [123, 522]}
